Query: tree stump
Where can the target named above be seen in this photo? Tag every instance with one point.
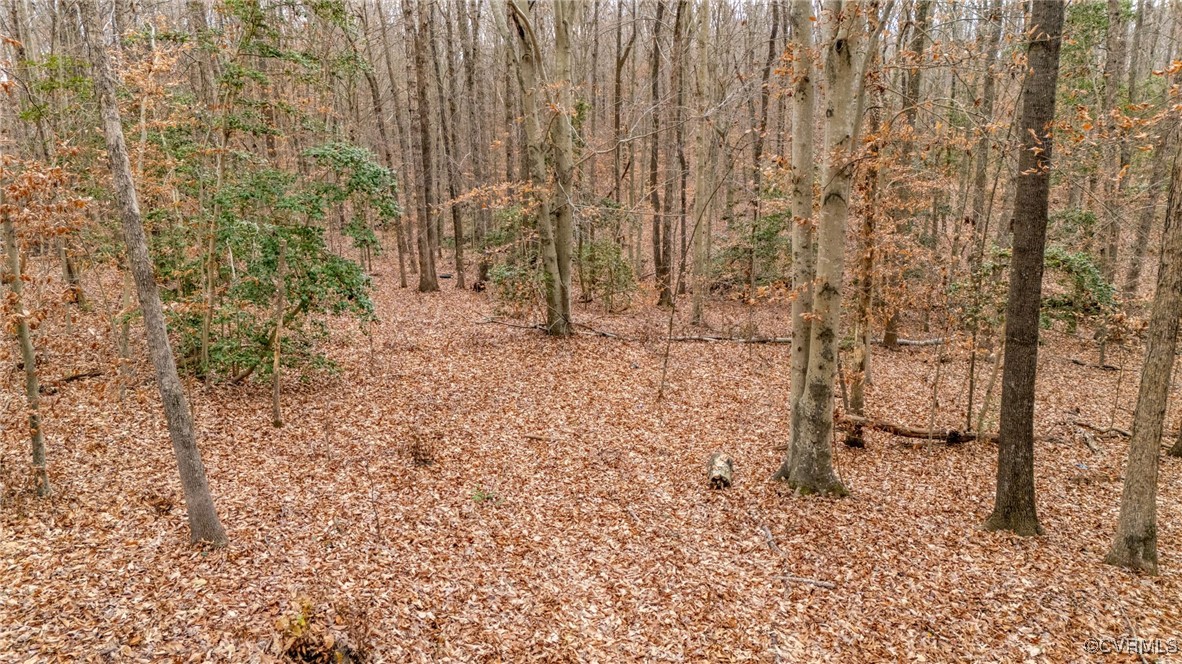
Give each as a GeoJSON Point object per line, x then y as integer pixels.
{"type": "Point", "coordinates": [720, 471]}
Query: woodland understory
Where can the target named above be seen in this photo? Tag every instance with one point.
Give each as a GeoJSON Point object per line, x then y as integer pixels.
{"type": "Point", "coordinates": [557, 527]}
{"type": "Point", "coordinates": [648, 330]}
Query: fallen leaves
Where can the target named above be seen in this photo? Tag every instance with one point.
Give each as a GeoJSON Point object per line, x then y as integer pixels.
{"type": "Point", "coordinates": [565, 515]}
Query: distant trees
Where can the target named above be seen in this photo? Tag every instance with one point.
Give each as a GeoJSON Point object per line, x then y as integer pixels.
{"type": "Point", "coordinates": [571, 156]}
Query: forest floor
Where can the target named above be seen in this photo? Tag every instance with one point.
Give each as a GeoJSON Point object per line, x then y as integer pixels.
{"type": "Point", "coordinates": [566, 516]}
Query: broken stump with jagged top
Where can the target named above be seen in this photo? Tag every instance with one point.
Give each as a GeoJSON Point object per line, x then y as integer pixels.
{"type": "Point", "coordinates": [720, 471]}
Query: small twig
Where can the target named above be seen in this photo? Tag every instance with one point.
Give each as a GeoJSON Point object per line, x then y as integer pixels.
{"type": "Point", "coordinates": [535, 326]}
{"type": "Point", "coordinates": [1104, 432]}
{"type": "Point", "coordinates": [812, 582]}
{"type": "Point", "coordinates": [771, 542]}
{"type": "Point", "coordinates": [377, 521]}
{"type": "Point", "coordinates": [51, 387]}
{"type": "Point", "coordinates": [1105, 367]}
{"type": "Point", "coordinates": [1129, 624]}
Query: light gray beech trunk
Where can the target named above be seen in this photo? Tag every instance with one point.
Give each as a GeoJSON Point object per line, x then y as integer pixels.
{"type": "Point", "coordinates": [705, 162]}
{"type": "Point", "coordinates": [204, 524]}
{"type": "Point", "coordinates": [567, 14]}
{"type": "Point", "coordinates": [803, 261]}
{"type": "Point", "coordinates": [1135, 544]}
{"type": "Point", "coordinates": [810, 455]}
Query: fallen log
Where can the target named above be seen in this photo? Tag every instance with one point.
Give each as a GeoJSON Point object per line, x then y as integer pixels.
{"type": "Point", "coordinates": [51, 387]}
{"type": "Point", "coordinates": [949, 436]}
{"type": "Point", "coordinates": [735, 340]}
{"type": "Point", "coordinates": [912, 342]}
{"type": "Point", "coordinates": [1110, 431]}
{"type": "Point", "coordinates": [1105, 367]}
{"type": "Point", "coordinates": [720, 471]}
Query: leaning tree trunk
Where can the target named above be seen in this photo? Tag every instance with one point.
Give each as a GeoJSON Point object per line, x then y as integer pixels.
{"type": "Point", "coordinates": [803, 261]}
{"type": "Point", "coordinates": [1014, 507]}
{"type": "Point", "coordinates": [528, 65]}
{"type": "Point", "coordinates": [810, 462]}
{"type": "Point", "coordinates": [1135, 544]}
{"type": "Point", "coordinates": [24, 338]}
{"type": "Point", "coordinates": [204, 524]}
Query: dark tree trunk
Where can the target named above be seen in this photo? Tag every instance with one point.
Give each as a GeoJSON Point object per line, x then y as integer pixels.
{"type": "Point", "coordinates": [1014, 507]}
{"type": "Point", "coordinates": [1135, 544]}
{"type": "Point", "coordinates": [416, 29]}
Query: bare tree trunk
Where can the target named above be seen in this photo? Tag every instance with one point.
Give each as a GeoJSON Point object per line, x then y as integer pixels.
{"type": "Point", "coordinates": [622, 53]}
{"type": "Point", "coordinates": [803, 233]}
{"type": "Point", "coordinates": [379, 112]}
{"type": "Point", "coordinates": [1014, 507]}
{"type": "Point", "coordinates": [705, 163]}
{"type": "Point", "coordinates": [757, 141]}
{"type": "Point", "coordinates": [24, 338]}
{"type": "Point", "coordinates": [1135, 543]}
{"type": "Point", "coordinates": [448, 117]}
{"type": "Point", "coordinates": [680, 167]}
{"type": "Point", "coordinates": [204, 524]}
{"type": "Point", "coordinates": [1157, 175]}
{"type": "Point", "coordinates": [469, 28]}
{"type": "Point", "coordinates": [423, 148]}
{"type": "Point", "coordinates": [1114, 74]}
{"type": "Point", "coordinates": [660, 220]}
{"type": "Point", "coordinates": [810, 461]}
{"type": "Point", "coordinates": [566, 14]}
{"type": "Point", "coordinates": [528, 65]}
{"type": "Point", "coordinates": [988, 98]}
{"type": "Point", "coordinates": [277, 342]}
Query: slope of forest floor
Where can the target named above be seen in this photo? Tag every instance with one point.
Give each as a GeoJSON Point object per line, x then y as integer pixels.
{"type": "Point", "coordinates": [566, 515]}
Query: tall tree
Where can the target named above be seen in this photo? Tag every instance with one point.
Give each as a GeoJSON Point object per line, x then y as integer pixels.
{"type": "Point", "coordinates": [528, 64]}
{"type": "Point", "coordinates": [415, 17]}
{"type": "Point", "coordinates": [1014, 507]}
{"type": "Point", "coordinates": [800, 17]}
{"type": "Point", "coordinates": [662, 242]}
{"type": "Point", "coordinates": [705, 160]}
{"type": "Point", "coordinates": [1114, 75]}
{"type": "Point", "coordinates": [848, 41]}
{"type": "Point", "coordinates": [204, 524]}
{"type": "Point", "coordinates": [1135, 543]}
{"type": "Point", "coordinates": [567, 13]}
